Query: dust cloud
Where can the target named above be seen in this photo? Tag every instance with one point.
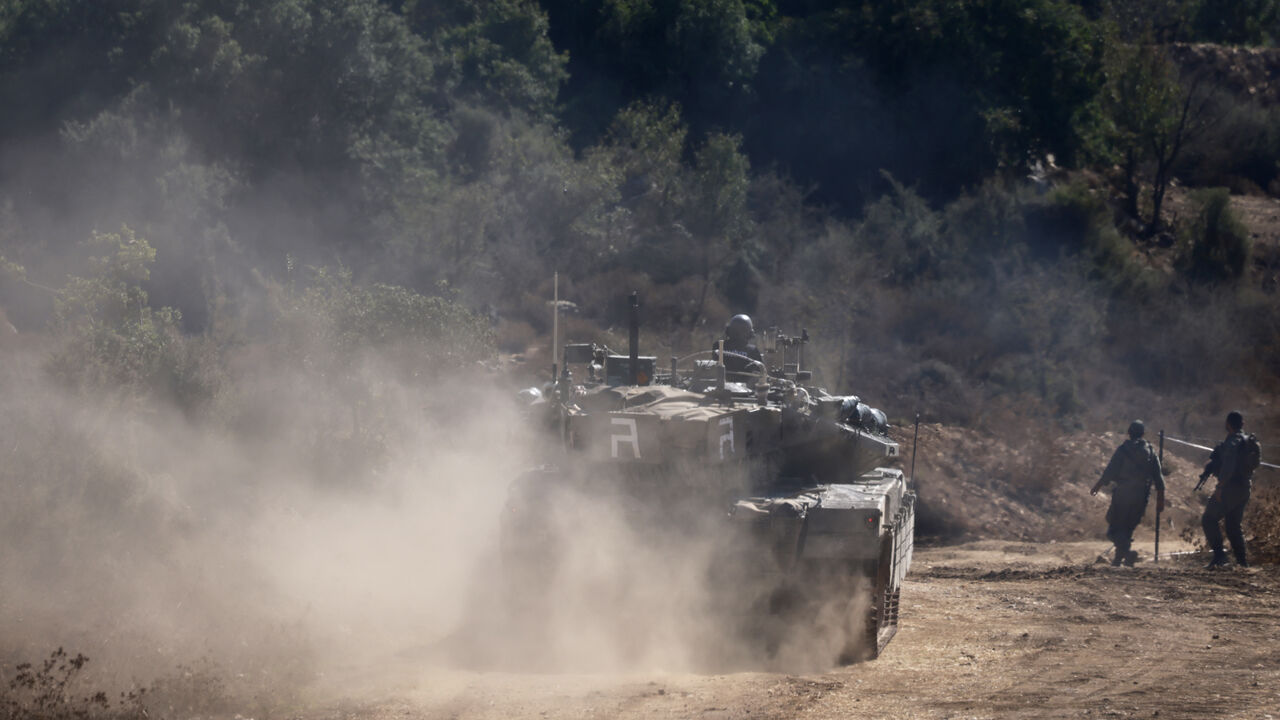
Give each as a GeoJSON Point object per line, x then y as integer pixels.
{"type": "Point", "coordinates": [279, 555]}
{"type": "Point", "coordinates": [148, 540]}
{"type": "Point", "coordinates": [610, 577]}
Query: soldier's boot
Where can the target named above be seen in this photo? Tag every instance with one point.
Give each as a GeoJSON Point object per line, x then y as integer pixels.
{"type": "Point", "coordinates": [1130, 558]}
{"type": "Point", "coordinates": [1121, 555]}
{"type": "Point", "coordinates": [1241, 561]}
{"type": "Point", "coordinates": [1219, 560]}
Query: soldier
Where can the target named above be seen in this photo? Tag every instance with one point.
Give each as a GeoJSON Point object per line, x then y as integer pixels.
{"type": "Point", "coordinates": [739, 350]}
{"type": "Point", "coordinates": [1134, 468]}
{"type": "Point", "coordinates": [1233, 461]}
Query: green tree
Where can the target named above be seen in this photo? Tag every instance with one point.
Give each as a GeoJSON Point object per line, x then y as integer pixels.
{"type": "Point", "coordinates": [113, 340]}
{"type": "Point", "coordinates": [228, 128]}
{"type": "Point", "coordinates": [939, 93]}
{"type": "Point", "coordinates": [1151, 116]}
{"type": "Point", "coordinates": [492, 52]}
{"type": "Point", "coordinates": [700, 54]}
{"type": "Point", "coordinates": [1238, 22]}
{"type": "Point", "coordinates": [646, 142]}
{"type": "Point", "coordinates": [1161, 21]}
{"type": "Point", "coordinates": [421, 334]}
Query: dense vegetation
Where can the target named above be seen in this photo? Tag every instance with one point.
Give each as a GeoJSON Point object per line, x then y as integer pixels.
{"type": "Point", "coordinates": [968, 199]}
{"type": "Point", "coordinates": [274, 226]}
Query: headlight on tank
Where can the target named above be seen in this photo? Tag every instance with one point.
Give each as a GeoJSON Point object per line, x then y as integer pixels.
{"type": "Point", "coordinates": [871, 521]}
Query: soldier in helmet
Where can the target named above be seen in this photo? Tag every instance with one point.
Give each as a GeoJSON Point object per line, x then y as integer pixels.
{"type": "Point", "coordinates": [1233, 461]}
{"type": "Point", "coordinates": [1134, 468]}
{"type": "Point", "coordinates": [739, 351]}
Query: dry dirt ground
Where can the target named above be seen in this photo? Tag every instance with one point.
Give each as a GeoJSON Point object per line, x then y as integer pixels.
{"type": "Point", "coordinates": [989, 630]}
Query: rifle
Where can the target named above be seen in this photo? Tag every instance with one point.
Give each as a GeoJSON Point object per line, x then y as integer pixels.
{"type": "Point", "coordinates": [1204, 476]}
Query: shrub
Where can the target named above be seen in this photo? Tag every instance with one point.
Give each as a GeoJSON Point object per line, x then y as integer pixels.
{"type": "Point", "coordinates": [112, 340]}
{"type": "Point", "coordinates": [1076, 220]}
{"type": "Point", "coordinates": [1215, 246]}
{"type": "Point", "coordinates": [941, 390]}
{"type": "Point", "coordinates": [904, 231]}
{"type": "Point", "coordinates": [989, 223]}
{"type": "Point", "coordinates": [1072, 218]}
{"type": "Point", "coordinates": [1239, 150]}
{"type": "Point", "coordinates": [46, 692]}
{"type": "Point", "coordinates": [348, 365]}
{"type": "Point", "coordinates": [421, 334]}
{"type": "Point", "coordinates": [1182, 342]}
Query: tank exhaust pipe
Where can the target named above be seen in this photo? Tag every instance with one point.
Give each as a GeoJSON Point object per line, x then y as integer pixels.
{"type": "Point", "coordinates": [634, 321]}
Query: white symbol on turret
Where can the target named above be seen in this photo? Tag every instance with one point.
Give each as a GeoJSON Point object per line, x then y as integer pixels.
{"type": "Point", "coordinates": [726, 436]}
{"type": "Point", "coordinates": [631, 436]}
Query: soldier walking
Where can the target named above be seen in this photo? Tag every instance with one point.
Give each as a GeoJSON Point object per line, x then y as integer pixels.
{"type": "Point", "coordinates": [1134, 469]}
{"type": "Point", "coordinates": [1233, 462]}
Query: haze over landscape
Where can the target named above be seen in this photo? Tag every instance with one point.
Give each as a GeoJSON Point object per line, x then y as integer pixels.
{"type": "Point", "coordinates": [271, 274]}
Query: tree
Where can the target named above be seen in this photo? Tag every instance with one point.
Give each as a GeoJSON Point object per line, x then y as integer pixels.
{"type": "Point", "coordinates": [700, 54]}
{"type": "Point", "coordinates": [1160, 21]}
{"type": "Point", "coordinates": [492, 52]}
{"type": "Point", "coordinates": [1151, 116]}
{"type": "Point", "coordinates": [939, 93]}
{"type": "Point", "coordinates": [113, 340]}
{"type": "Point", "coordinates": [1238, 22]}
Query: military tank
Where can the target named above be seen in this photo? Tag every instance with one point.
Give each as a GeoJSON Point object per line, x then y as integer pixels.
{"type": "Point", "coordinates": [799, 484]}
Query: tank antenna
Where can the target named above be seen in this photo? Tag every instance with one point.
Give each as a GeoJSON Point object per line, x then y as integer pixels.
{"type": "Point", "coordinates": [915, 437]}
{"type": "Point", "coordinates": [634, 339]}
{"type": "Point", "coordinates": [720, 365]}
{"type": "Point", "coordinates": [555, 325]}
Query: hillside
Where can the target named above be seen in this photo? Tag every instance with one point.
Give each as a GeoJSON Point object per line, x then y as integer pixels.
{"type": "Point", "coordinates": [1249, 72]}
{"type": "Point", "coordinates": [272, 272]}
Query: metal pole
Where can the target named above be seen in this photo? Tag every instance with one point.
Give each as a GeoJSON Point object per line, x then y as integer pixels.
{"type": "Point", "coordinates": [560, 391]}
{"type": "Point", "coordinates": [555, 326]}
{"type": "Point", "coordinates": [915, 437]}
{"type": "Point", "coordinates": [635, 338]}
{"type": "Point", "coordinates": [1157, 558]}
{"type": "Point", "coordinates": [720, 364]}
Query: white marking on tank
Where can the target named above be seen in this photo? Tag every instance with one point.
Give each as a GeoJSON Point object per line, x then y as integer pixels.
{"type": "Point", "coordinates": [726, 436]}
{"type": "Point", "coordinates": [631, 436]}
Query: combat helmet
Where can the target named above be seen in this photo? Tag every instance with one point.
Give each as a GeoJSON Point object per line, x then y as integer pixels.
{"type": "Point", "coordinates": [739, 329]}
{"type": "Point", "coordinates": [1137, 429]}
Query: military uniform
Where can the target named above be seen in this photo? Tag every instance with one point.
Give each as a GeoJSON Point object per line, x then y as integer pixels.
{"type": "Point", "coordinates": [736, 357]}
{"type": "Point", "coordinates": [1134, 469]}
{"type": "Point", "coordinates": [1226, 506]}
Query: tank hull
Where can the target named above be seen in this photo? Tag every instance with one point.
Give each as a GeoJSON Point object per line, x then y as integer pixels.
{"type": "Point", "coordinates": [785, 495]}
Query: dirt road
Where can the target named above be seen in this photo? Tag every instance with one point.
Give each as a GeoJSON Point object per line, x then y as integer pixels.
{"type": "Point", "coordinates": [990, 630]}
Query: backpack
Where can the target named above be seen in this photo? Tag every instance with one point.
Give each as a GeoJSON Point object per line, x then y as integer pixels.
{"type": "Point", "coordinates": [1250, 454]}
